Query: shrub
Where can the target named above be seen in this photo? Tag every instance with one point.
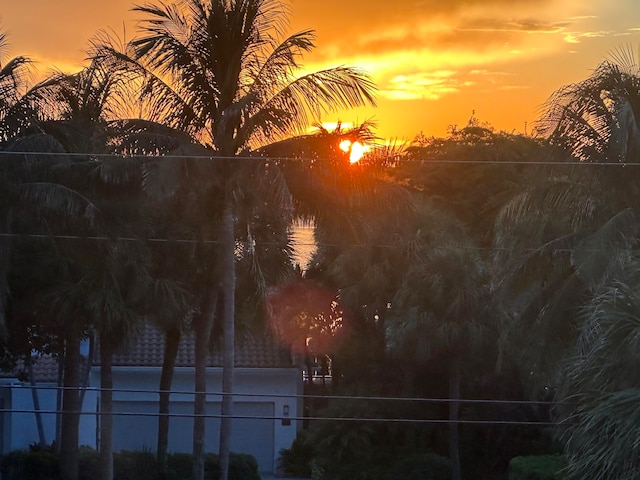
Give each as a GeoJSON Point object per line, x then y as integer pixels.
{"type": "Point", "coordinates": [135, 465]}
{"type": "Point", "coordinates": [384, 465]}
{"type": "Point", "coordinates": [537, 467]}
{"type": "Point", "coordinates": [296, 461]}
{"type": "Point", "coordinates": [241, 467]}
{"type": "Point", "coordinates": [34, 465]}
{"type": "Point", "coordinates": [42, 465]}
{"type": "Point", "coordinates": [127, 465]}
{"type": "Point", "coordinates": [89, 464]}
{"type": "Point", "coordinates": [179, 466]}
{"type": "Point", "coordinates": [427, 466]}
{"type": "Point", "coordinates": [12, 465]}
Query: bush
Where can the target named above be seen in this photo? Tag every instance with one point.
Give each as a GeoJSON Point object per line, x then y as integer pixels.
{"type": "Point", "coordinates": [137, 465]}
{"type": "Point", "coordinates": [12, 465]}
{"type": "Point", "coordinates": [34, 465]}
{"type": "Point", "coordinates": [537, 467]}
{"type": "Point", "coordinates": [89, 464]}
{"type": "Point", "coordinates": [241, 467]}
{"type": "Point", "coordinates": [296, 461]}
{"type": "Point", "coordinates": [127, 465]}
{"type": "Point", "coordinates": [42, 465]}
{"type": "Point", "coordinates": [179, 466]}
{"type": "Point", "coordinates": [428, 466]}
{"type": "Point", "coordinates": [386, 466]}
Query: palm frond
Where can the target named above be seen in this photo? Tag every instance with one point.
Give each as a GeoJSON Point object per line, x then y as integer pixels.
{"type": "Point", "coordinates": [304, 100]}
{"type": "Point", "coordinates": [604, 253]}
{"type": "Point", "coordinates": [597, 119]}
{"type": "Point", "coordinates": [604, 443]}
{"type": "Point", "coordinates": [59, 198]}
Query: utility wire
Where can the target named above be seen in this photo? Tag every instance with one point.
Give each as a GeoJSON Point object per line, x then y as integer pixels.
{"type": "Point", "coordinates": [312, 159]}
{"type": "Point", "coordinates": [267, 417]}
{"type": "Point", "coordinates": [276, 244]}
{"type": "Point", "coordinates": [300, 396]}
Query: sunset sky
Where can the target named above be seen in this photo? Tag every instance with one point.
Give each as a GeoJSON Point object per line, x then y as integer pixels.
{"type": "Point", "coordinates": [434, 61]}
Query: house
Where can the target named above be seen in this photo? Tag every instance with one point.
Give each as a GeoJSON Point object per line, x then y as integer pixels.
{"type": "Point", "coordinates": [267, 400]}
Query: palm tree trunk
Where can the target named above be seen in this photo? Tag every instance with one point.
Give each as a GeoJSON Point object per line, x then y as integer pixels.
{"type": "Point", "coordinates": [454, 415]}
{"type": "Point", "coordinates": [106, 409]}
{"type": "Point", "coordinates": [5, 252]}
{"type": "Point", "coordinates": [36, 406]}
{"type": "Point", "coordinates": [171, 344]}
{"type": "Point", "coordinates": [87, 371]}
{"type": "Point", "coordinates": [228, 362]}
{"type": "Point", "coordinates": [203, 334]}
{"type": "Point", "coordinates": [69, 452]}
{"type": "Point", "coordinates": [59, 393]}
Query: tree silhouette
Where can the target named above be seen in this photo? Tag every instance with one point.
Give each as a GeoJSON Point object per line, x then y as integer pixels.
{"type": "Point", "coordinates": [219, 71]}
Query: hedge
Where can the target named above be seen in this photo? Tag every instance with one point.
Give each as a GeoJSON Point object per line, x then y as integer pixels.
{"type": "Point", "coordinates": [127, 465]}
{"type": "Point", "coordinates": [537, 467]}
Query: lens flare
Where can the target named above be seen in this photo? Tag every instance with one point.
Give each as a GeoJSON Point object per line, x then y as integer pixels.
{"type": "Point", "coordinates": [356, 150]}
{"type": "Point", "coordinates": [345, 145]}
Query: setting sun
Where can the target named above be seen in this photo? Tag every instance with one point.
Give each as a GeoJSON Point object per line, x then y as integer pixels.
{"type": "Point", "coordinates": [356, 150]}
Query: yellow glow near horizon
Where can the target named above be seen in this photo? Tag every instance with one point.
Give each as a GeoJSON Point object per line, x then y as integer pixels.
{"type": "Point", "coordinates": [333, 126]}
{"type": "Point", "coordinates": [432, 65]}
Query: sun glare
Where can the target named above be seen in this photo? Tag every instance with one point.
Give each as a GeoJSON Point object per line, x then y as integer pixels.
{"type": "Point", "coordinates": [356, 150]}
{"type": "Point", "coordinates": [345, 145]}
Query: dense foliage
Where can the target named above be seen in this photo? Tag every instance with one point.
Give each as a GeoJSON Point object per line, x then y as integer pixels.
{"type": "Point", "coordinates": [128, 465]}
{"type": "Point", "coordinates": [538, 467]}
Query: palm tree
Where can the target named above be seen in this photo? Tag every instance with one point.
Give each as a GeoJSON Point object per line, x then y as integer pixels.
{"type": "Point", "coordinates": [219, 71]}
{"type": "Point", "coordinates": [78, 111]}
{"type": "Point", "coordinates": [578, 228]}
{"type": "Point", "coordinates": [571, 227]}
{"type": "Point", "coordinates": [442, 305]}
{"type": "Point", "coordinates": [15, 114]}
{"type": "Point", "coordinates": [35, 192]}
{"type": "Point", "coordinates": [12, 85]}
{"type": "Point", "coordinates": [601, 383]}
{"type": "Point", "coordinates": [42, 201]}
{"type": "Point", "coordinates": [596, 120]}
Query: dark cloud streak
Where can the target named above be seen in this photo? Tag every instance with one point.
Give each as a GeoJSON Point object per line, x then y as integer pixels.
{"type": "Point", "coordinates": [381, 27]}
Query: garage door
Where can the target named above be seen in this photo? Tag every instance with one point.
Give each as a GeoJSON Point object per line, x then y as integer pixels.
{"type": "Point", "coordinates": [252, 436]}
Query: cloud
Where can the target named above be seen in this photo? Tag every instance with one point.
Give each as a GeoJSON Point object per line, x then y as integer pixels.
{"type": "Point", "coordinates": [423, 85]}
{"type": "Point", "coordinates": [576, 37]}
{"type": "Point", "coordinates": [584, 17]}
{"type": "Point", "coordinates": [514, 87]}
{"type": "Point", "coordinates": [489, 73]}
{"type": "Point", "coordinates": [525, 25]}
{"type": "Point", "coordinates": [375, 27]}
{"type": "Point", "coordinates": [464, 41]}
{"type": "Point", "coordinates": [416, 39]}
{"type": "Point", "coordinates": [436, 84]}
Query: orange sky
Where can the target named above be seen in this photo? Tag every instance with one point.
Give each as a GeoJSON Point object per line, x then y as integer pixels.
{"type": "Point", "coordinates": [435, 61]}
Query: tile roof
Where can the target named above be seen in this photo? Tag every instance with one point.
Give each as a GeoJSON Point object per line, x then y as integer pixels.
{"type": "Point", "coordinates": [45, 370]}
{"type": "Point", "coordinates": [148, 348]}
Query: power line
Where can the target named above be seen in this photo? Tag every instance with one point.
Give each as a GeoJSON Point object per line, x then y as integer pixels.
{"type": "Point", "coordinates": [316, 159]}
{"type": "Point", "coordinates": [298, 396]}
{"type": "Point", "coordinates": [276, 244]}
{"type": "Point", "coordinates": [276, 417]}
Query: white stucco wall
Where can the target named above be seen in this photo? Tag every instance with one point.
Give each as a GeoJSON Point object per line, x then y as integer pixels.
{"type": "Point", "coordinates": [18, 423]}
{"type": "Point", "coordinates": [260, 392]}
